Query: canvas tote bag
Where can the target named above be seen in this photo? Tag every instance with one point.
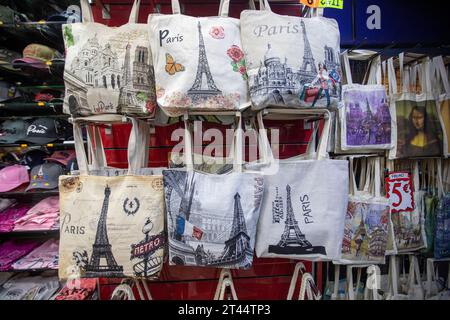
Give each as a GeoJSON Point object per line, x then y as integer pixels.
{"type": "Point", "coordinates": [409, 227]}
{"type": "Point", "coordinates": [365, 119]}
{"type": "Point", "coordinates": [199, 62]}
{"type": "Point", "coordinates": [203, 232]}
{"type": "Point", "coordinates": [417, 130]}
{"type": "Point", "coordinates": [111, 227]}
{"type": "Point", "coordinates": [443, 92]}
{"type": "Point", "coordinates": [291, 61]}
{"type": "Point", "coordinates": [367, 218]}
{"type": "Point", "coordinates": [108, 69]}
{"type": "Point", "coordinates": [302, 215]}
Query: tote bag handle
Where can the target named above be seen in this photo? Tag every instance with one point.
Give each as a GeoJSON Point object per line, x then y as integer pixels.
{"type": "Point", "coordinates": [346, 65]}
{"type": "Point", "coordinates": [299, 268]}
{"type": "Point", "coordinates": [375, 71]}
{"type": "Point", "coordinates": [392, 77]}
{"type": "Point", "coordinates": [308, 288]}
{"type": "Point", "coordinates": [86, 12]}
{"type": "Point", "coordinates": [441, 74]}
{"type": "Point", "coordinates": [225, 280]}
{"type": "Point", "coordinates": [223, 7]}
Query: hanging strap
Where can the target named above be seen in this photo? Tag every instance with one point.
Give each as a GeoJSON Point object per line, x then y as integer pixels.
{"type": "Point", "coordinates": [252, 5]}
{"type": "Point", "coordinates": [392, 77]}
{"type": "Point", "coordinates": [383, 67]}
{"type": "Point", "coordinates": [308, 288]}
{"type": "Point", "coordinates": [416, 176]}
{"type": "Point", "coordinates": [441, 73]}
{"type": "Point", "coordinates": [299, 269]}
{"type": "Point", "coordinates": [224, 8]}
{"type": "Point", "coordinates": [142, 296]}
{"type": "Point", "coordinates": [176, 7]}
{"type": "Point", "coordinates": [350, 289]}
{"type": "Point", "coordinates": [238, 156]}
{"type": "Point", "coordinates": [425, 79]}
{"type": "Point", "coordinates": [225, 280]}
{"type": "Point", "coordinates": [377, 178]}
{"type": "Point", "coordinates": [401, 60]}
{"type": "Point", "coordinates": [337, 270]}
{"type": "Point", "coordinates": [375, 76]}
{"type": "Point", "coordinates": [346, 63]}
{"type": "Point", "coordinates": [86, 11]}
{"type": "Point", "coordinates": [121, 291]}
{"type": "Point", "coordinates": [224, 273]}
{"type": "Point", "coordinates": [134, 15]}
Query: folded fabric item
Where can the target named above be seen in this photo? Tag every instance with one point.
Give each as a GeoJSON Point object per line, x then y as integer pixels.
{"type": "Point", "coordinates": [10, 215]}
{"type": "Point", "coordinates": [13, 250]}
{"type": "Point", "coordinates": [5, 203]}
{"type": "Point", "coordinates": [43, 216]}
{"type": "Point", "coordinates": [48, 205]}
{"type": "Point", "coordinates": [29, 288]}
{"type": "Point", "coordinates": [43, 257]}
{"type": "Point", "coordinates": [84, 290]}
{"type": "Point", "coordinates": [37, 222]}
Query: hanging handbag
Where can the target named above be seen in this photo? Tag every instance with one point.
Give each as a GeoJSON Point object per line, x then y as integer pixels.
{"type": "Point", "coordinates": [367, 217]}
{"type": "Point", "coordinates": [201, 233]}
{"type": "Point", "coordinates": [364, 116]}
{"type": "Point", "coordinates": [199, 62]}
{"type": "Point", "coordinates": [442, 236]}
{"type": "Point", "coordinates": [111, 227]}
{"type": "Point", "coordinates": [298, 219]}
{"type": "Point", "coordinates": [409, 226]}
{"type": "Point", "coordinates": [417, 130]}
{"type": "Point", "coordinates": [291, 61]}
{"type": "Point", "coordinates": [108, 70]}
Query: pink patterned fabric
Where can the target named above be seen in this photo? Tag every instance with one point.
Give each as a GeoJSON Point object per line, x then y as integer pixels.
{"type": "Point", "coordinates": [43, 257]}
{"type": "Point", "coordinates": [13, 250]}
{"type": "Point", "coordinates": [10, 215]}
{"type": "Point", "coordinates": [84, 291]}
{"type": "Point", "coordinates": [43, 216]}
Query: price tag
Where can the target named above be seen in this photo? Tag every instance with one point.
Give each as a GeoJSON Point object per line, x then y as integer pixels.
{"type": "Point", "coordinates": [335, 4]}
{"type": "Point", "coordinates": [400, 192]}
{"type": "Point", "coordinates": [310, 3]}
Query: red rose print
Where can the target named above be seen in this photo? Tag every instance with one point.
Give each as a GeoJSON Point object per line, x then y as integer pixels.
{"type": "Point", "coordinates": [217, 32]}
{"type": "Point", "coordinates": [235, 53]}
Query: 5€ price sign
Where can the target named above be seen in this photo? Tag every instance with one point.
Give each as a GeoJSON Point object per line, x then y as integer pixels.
{"type": "Point", "coordinates": [400, 191]}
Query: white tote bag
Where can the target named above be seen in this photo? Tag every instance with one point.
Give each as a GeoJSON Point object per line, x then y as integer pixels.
{"type": "Point", "coordinates": [302, 215]}
{"type": "Point", "coordinates": [199, 63]}
{"type": "Point", "coordinates": [203, 232]}
{"type": "Point", "coordinates": [443, 94]}
{"type": "Point", "coordinates": [367, 218]}
{"type": "Point", "coordinates": [111, 227]}
{"type": "Point", "coordinates": [409, 227]}
{"type": "Point", "coordinates": [364, 114]}
{"type": "Point", "coordinates": [416, 130]}
{"type": "Point", "coordinates": [291, 61]}
{"type": "Point", "coordinates": [108, 69]}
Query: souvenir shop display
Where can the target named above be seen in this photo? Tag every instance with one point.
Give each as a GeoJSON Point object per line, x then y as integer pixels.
{"type": "Point", "coordinates": [108, 70]}
{"type": "Point", "coordinates": [221, 150]}
{"type": "Point", "coordinates": [199, 63]}
{"type": "Point", "coordinates": [291, 61]}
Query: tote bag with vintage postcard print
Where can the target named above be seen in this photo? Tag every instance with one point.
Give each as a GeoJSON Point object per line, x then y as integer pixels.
{"type": "Point", "coordinates": [199, 62]}
{"type": "Point", "coordinates": [108, 69]}
{"type": "Point", "coordinates": [111, 227]}
{"type": "Point", "coordinates": [291, 61]}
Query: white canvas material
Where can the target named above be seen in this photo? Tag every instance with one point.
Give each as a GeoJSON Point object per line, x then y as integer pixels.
{"type": "Point", "coordinates": [283, 54]}
{"type": "Point", "coordinates": [298, 218]}
{"type": "Point", "coordinates": [416, 129]}
{"type": "Point", "coordinates": [202, 233]}
{"type": "Point", "coordinates": [108, 69]}
{"type": "Point", "coordinates": [442, 90]}
{"type": "Point", "coordinates": [409, 227]}
{"type": "Point", "coordinates": [111, 227]}
{"type": "Point", "coordinates": [225, 281]}
{"type": "Point", "coordinates": [364, 116]}
{"type": "Point", "coordinates": [367, 218]}
{"type": "Point", "coordinates": [199, 62]}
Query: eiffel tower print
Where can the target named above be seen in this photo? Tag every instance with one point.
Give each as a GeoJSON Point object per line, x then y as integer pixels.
{"type": "Point", "coordinates": [238, 251]}
{"type": "Point", "coordinates": [308, 58]}
{"type": "Point", "coordinates": [293, 241]}
{"type": "Point", "coordinates": [198, 91]}
{"type": "Point", "coordinates": [102, 248]}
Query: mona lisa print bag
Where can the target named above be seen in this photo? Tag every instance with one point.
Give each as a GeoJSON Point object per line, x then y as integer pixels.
{"type": "Point", "coordinates": [291, 61]}
{"type": "Point", "coordinates": [418, 131]}
{"type": "Point", "coordinates": [199, 63]}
